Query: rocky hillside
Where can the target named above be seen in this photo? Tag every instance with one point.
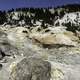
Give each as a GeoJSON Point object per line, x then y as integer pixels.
{"type": "Point", "coordinates": [33, 54]}
{"type": "Point", "coordinates": [41, 50]}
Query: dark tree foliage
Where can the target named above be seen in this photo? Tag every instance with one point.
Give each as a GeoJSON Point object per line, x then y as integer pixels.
{"type": "Point", "coordinates": [62, 13]}
{"type": "Point", "coordinates": [72, 27]}
{"type": "Point", "coordinates": [70, 7]}
{"type": "Point", "coordinates": [2, 17]}
{"type": "Point", "coordinates": [43, 14]}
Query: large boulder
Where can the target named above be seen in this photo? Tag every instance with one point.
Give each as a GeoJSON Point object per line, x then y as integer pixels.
{"type": "Point", "coordinates": [30, 69]}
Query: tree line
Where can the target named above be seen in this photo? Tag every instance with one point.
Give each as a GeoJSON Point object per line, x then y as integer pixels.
{"type": "Point", "coordinates": [40, 13]}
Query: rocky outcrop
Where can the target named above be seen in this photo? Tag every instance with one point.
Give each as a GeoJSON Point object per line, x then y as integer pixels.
{"type": "Point", "coordinates": [30, 69]}
{"type": "Point", "coordinates": [22, 68]}
{"type": "Point", "coordinates": [6, 49]}
{"type": "Point", "coordinates": [53, 37]}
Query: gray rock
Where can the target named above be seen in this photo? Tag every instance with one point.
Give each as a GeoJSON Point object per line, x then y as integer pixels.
{"type": "Point", "coordinates": [6, 49]}
{"type": "Point", "coordinates": [31, 69]}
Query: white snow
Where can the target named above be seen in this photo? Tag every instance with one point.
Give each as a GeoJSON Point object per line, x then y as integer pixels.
{"type": "Point", "coordinates": [15, 16]}
{"type": "Point", "coordinates": [73, 17]}
{"type": "Point", "coordinates": [21, 22]}
{"type": "Point", "coordinates": [38, 23]}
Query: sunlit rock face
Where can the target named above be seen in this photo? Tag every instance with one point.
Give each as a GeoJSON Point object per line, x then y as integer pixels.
{"type": "Point", "coordinates": [56, 36]}
{"type": "Point", "coordinates": [35, 53]}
